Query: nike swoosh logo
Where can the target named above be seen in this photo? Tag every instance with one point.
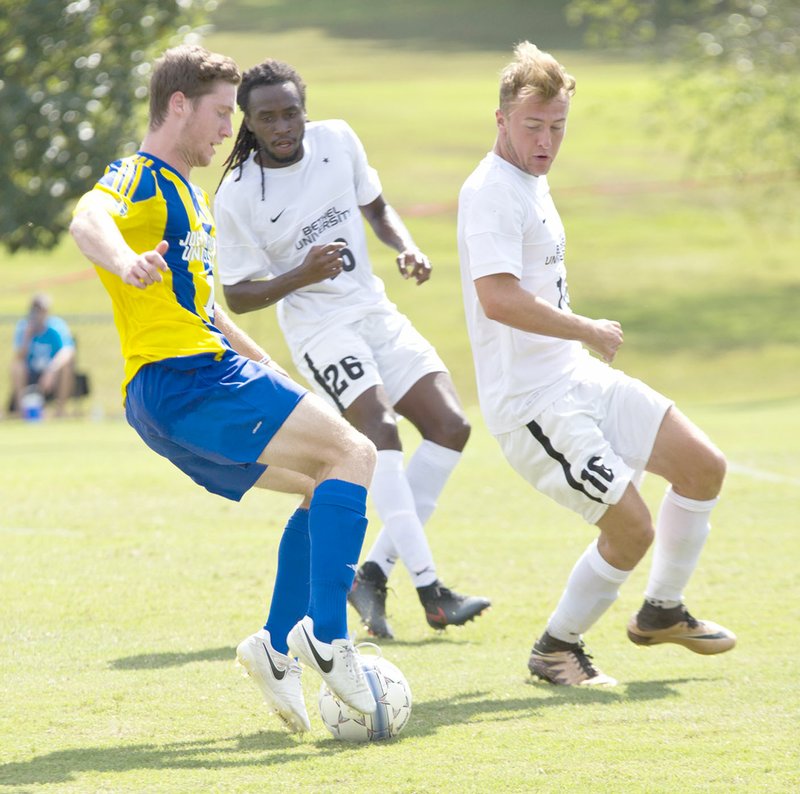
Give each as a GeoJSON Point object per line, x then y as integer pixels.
{"type": "Point", "coordinates": [278, 215]}
{"type": "Point", "coordinates": [326, 665]}
{"type": "Point", "coordinates": [278, 673]}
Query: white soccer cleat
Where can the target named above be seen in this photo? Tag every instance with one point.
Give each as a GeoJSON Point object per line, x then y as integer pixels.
{"type": "Point", "coordinates": [337, 663]}
{"type": "Point", "coordinates": [278, 678]}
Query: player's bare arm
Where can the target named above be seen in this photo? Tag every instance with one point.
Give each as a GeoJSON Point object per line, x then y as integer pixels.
{"type": "Point", "coordinates": [100, 241]}
{"type": "Point", "coordinates": [506, 301]}
{"type": "Point", "coordinates": [321, 262]}
{"type": "Point", "coordinates": [241, 342]}
{"type": "Point", "coordinates": [390, 230]}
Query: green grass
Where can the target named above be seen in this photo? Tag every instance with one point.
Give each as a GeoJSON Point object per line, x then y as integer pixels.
{"type": "Point", "coordinates": [124, 589]}
{"type": "Point", "coordinates": [124, 597]}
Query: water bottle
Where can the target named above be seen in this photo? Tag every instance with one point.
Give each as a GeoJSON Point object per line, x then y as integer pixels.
{"type": "Point", "coordinates": [32, 404]}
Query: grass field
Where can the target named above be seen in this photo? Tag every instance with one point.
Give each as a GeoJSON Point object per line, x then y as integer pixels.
{"type": "Point", "coordinates": [124, 589]}
{"type": "Point", "coordinates": [124, 597]}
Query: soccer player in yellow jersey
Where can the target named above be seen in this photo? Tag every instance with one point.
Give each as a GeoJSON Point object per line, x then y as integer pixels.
{"type": "Point", "coordinates": [204, 395]}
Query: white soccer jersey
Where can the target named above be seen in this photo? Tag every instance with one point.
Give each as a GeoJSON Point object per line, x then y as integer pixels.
{"type": "Point", "coordinates": [507, 223]}
{"type": "Point", "coordinates": [312, 202]}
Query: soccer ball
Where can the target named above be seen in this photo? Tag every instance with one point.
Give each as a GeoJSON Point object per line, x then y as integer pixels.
{"type": "Point", "coordinates": [392, 693]}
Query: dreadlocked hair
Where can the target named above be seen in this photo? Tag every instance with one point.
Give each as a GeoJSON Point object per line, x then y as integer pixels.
{"type": "Point", "coordinates": [269, 72]}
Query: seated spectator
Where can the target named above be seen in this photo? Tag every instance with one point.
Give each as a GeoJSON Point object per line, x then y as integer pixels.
{"type": "Point", "coordinates": [44, 357]}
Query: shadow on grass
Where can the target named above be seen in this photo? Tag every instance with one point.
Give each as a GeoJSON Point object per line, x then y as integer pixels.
{"type": "Point", "coordinates": [265, 748]}
{"type": "Point", "coordinates": [742, 318]}
{"type": "Point", "coordinates": [434, 639]}
{"type": "Point", "coordinates": [429, 716]}
{"type": "Point", "coordinates": [262, 748]}
{"type": "Point", "coordinates": [154, 661]}
{"type": "Point", "coordinates": [413, 24]}
{"type": "Point", "coordinates": [148, 661]}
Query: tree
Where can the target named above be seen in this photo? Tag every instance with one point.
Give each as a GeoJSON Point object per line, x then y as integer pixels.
{"type": "Point", "coordinates": [736, 67]}
{"type": "Point", "coordinates": [72, 80]}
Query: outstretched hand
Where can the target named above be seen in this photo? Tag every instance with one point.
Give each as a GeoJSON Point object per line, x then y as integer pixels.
{"type": "Point", "coordinates": [146, 269]}
{"type": "Point", "coordinates": [412, 263]}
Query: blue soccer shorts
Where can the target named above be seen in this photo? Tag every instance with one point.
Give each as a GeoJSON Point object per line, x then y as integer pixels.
{"type": "Point", "coordinates": [211, 418]}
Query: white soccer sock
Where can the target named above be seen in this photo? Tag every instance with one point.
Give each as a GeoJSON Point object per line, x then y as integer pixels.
{"type": "Point", "coordinates": [427, 473]}
{"type": "Point", "coordinates": [402, 530]}
{"type": "Point", "coordinates": [681, 532]}
{"type": "Point", "coordinates": [591, 589]}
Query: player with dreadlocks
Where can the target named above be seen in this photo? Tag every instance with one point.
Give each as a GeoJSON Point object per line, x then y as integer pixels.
{"type": "Point", "coordinates": [266, 73]}
{"type": "Point", "coordinates": [289, 214]}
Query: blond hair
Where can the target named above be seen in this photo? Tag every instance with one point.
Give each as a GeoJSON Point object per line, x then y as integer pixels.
{"type": "Point", "coordinates": [533, 73]}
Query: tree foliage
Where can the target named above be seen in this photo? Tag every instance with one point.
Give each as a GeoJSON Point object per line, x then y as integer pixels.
{"type": "Point", "coordinates": [736, 82]}
{"type": "Point", "coordinates": [72, 80]}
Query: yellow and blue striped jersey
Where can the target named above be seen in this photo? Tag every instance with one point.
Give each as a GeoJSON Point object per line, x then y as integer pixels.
{"type": "Point", "coordinates": [150, 201]}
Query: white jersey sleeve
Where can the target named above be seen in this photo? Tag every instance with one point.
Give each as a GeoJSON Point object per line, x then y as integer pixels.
{"type": "Point", "coordinates": [239, 255]}
{"type": "Point", "coordinates": [365, 178]}
{"type": "Point", "coordinates": [493, 232]}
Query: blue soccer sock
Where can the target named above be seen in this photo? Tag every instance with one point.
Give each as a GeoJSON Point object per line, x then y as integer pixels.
{"type": "Point", "coordinates": [292, 580]}
{"type": "Point", "coordinates": [337, 525]}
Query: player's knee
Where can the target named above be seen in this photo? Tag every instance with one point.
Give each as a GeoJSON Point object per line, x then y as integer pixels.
{"type": "Point", "coordinates": [635, 541]}
{"type": "Point", "coordinates": [642, 537]}
{"type": "Point", "coordinates": [383, 432]}
{"type": "Point", "coordinates": [637, 530]}
{"type": "Point", "coordinates": [716, 468]}
{"type": "Point", "coordinates": [362, 454]}
{"type": "Point", "coordinates": [625, 546]}
{"type": "Point", "coordinates": [704, 475]}
{"type": "Point", "coordinates": [452, 431]}
{"type": "Point", "coordinates": [626, 532]}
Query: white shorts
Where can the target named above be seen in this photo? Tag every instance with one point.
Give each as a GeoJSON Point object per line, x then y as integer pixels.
{"type": "Point", "coordinates": [584, 449]}
{"type": "Point", "coordinates": [382, 348]}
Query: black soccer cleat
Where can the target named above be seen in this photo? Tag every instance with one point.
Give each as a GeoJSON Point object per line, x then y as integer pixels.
{"type": "Point", "coordinates": [445, 608]}
{"type": "Point", "coordinates": [368, 597]}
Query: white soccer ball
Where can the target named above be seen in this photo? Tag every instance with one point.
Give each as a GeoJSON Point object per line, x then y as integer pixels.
{"type": "Point", "coordinates": [392, 693]}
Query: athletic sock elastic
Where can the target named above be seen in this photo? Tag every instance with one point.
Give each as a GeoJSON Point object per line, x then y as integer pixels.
{"type": "Point", "coordinates": [592, 587]}
{"type": "Point", "coordinates": [681, 532]}
{"type": "Point", "coordinates": [337, 524]}
{"type": "Point", "coordinates": [291, 590]}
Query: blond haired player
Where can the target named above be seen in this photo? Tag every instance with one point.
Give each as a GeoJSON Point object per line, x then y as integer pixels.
{"type": "Point", "coordinates": [576, 429]}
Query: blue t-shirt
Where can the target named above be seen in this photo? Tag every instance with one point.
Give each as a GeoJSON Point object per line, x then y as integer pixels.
{"type": "Point", "coordinates": [45, 345]}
